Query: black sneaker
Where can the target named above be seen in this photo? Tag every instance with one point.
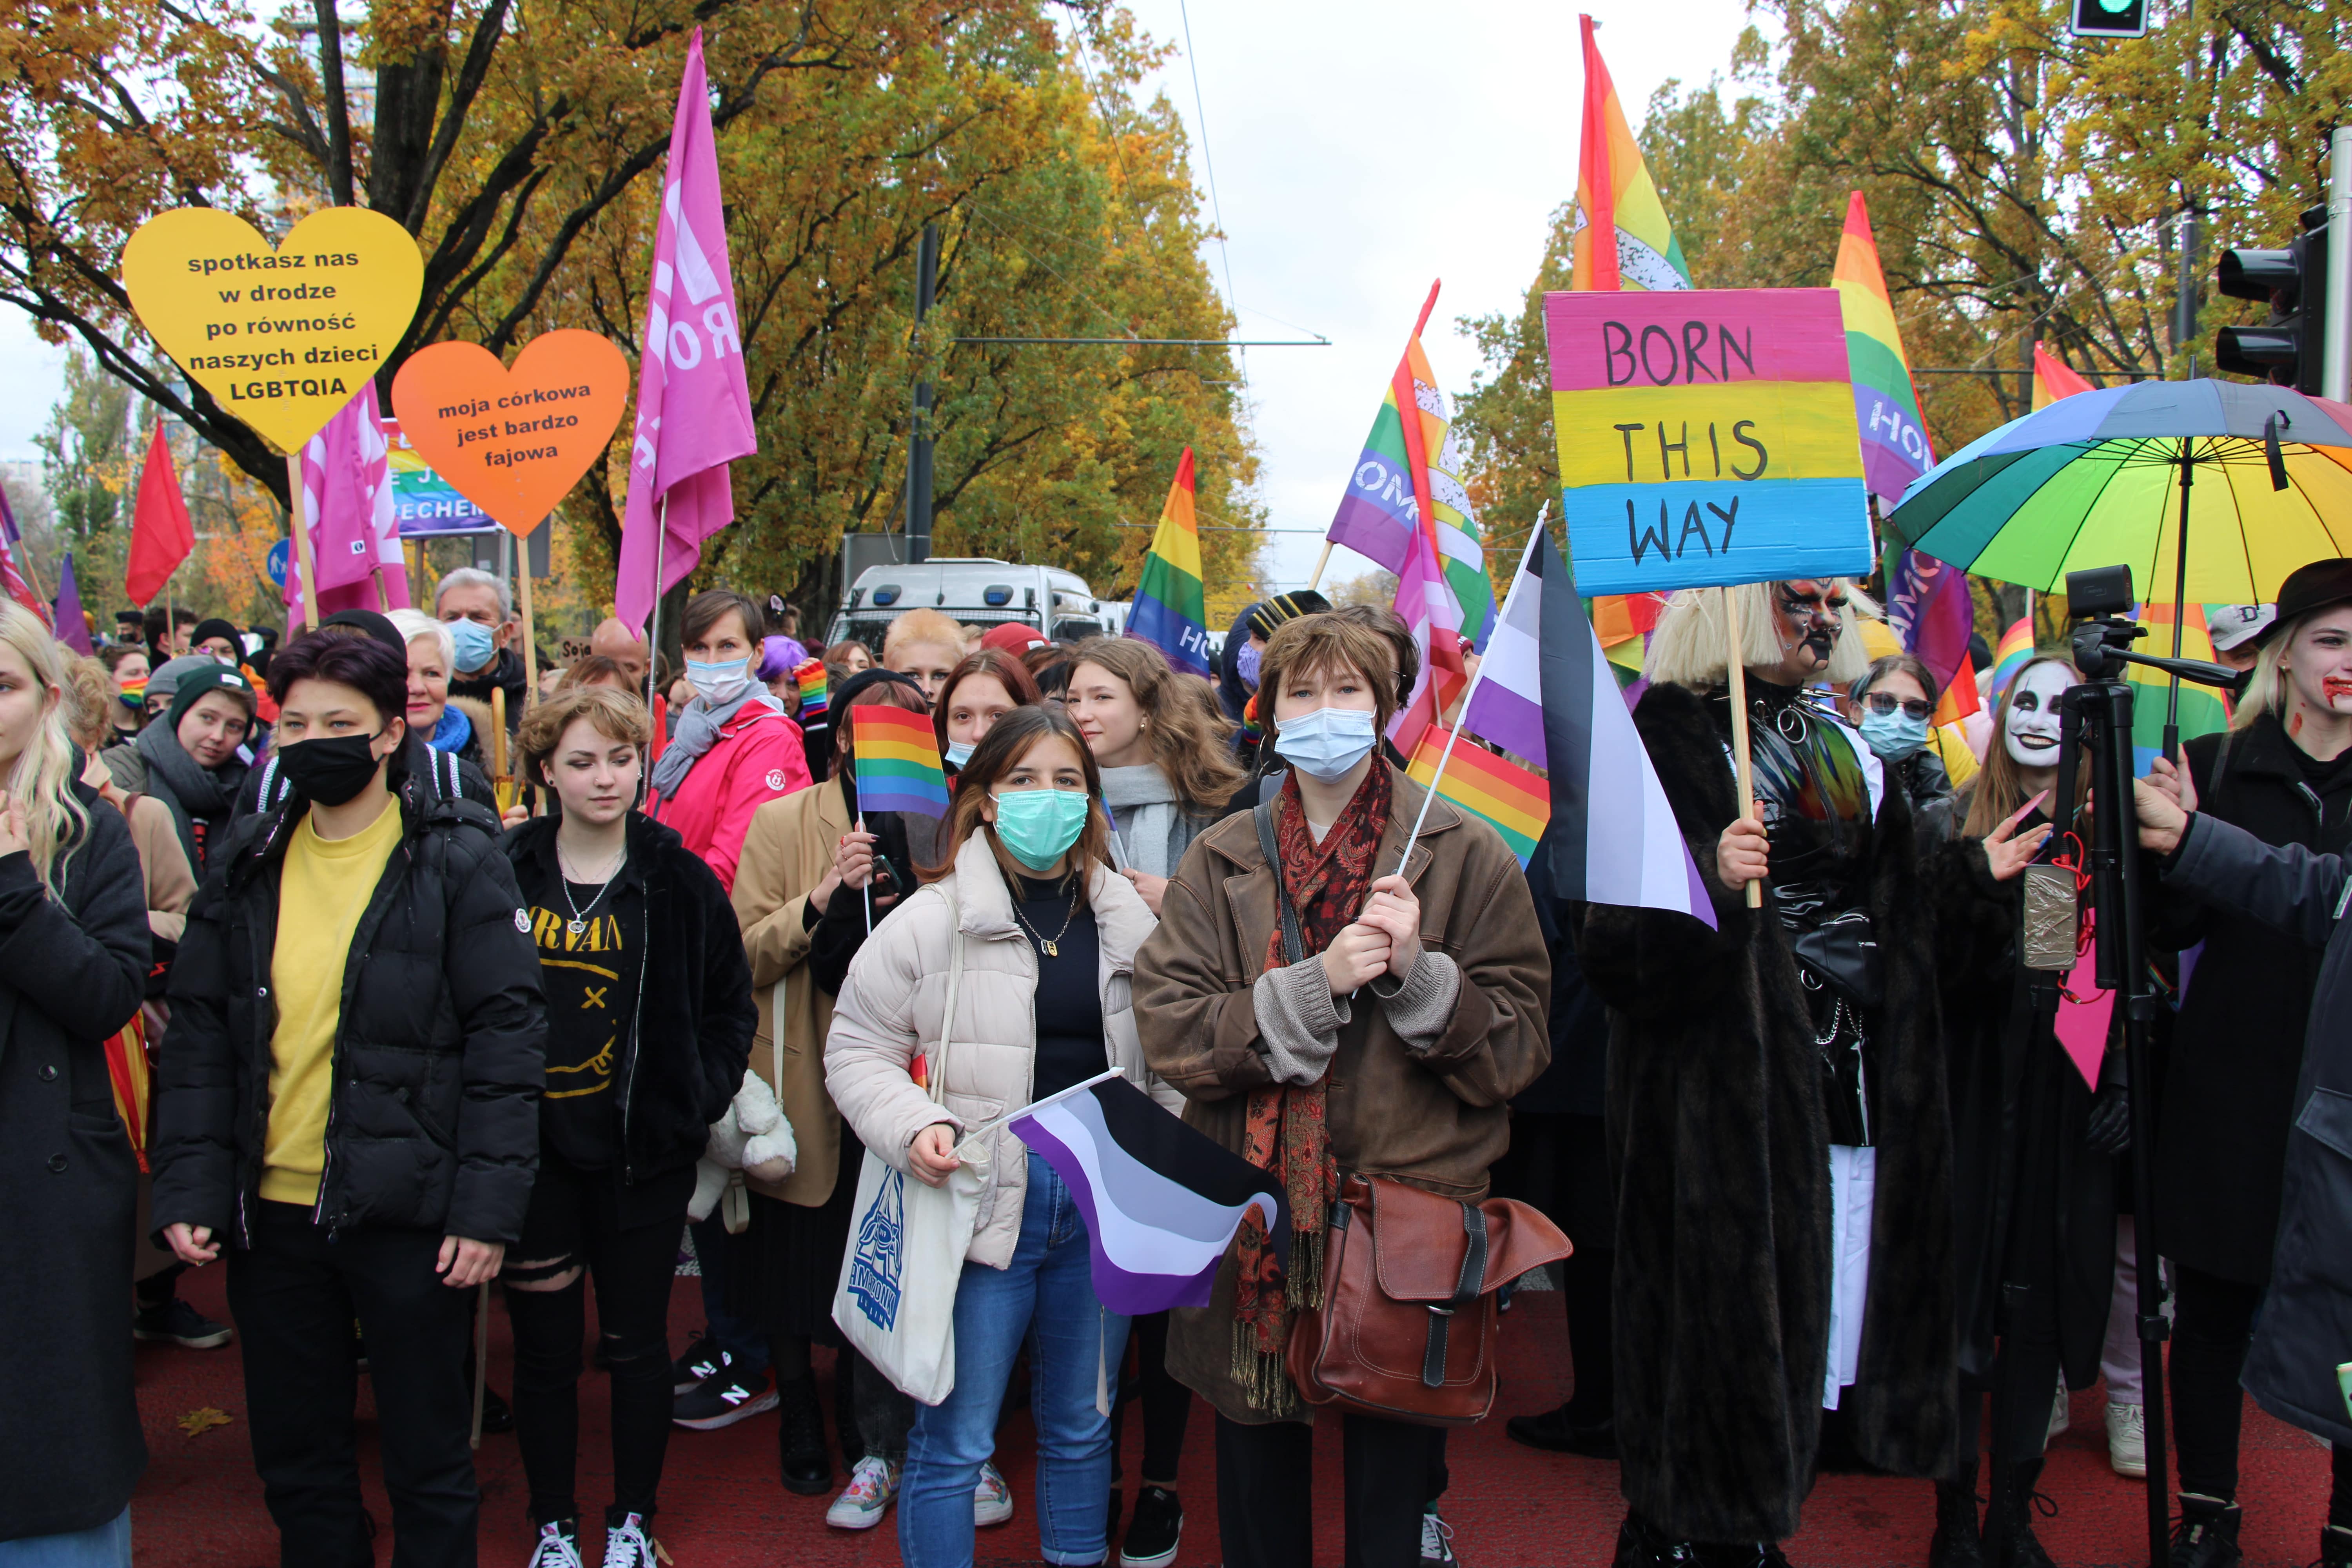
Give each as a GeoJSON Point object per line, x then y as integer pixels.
{"type": "Point", "coordinates": [702, 1358]}
{"type": "Point", "coordinates": [2206, 1533]}
{"type": "Point", "coordinates": [1153, 1533]}
{"type": "Point", "coordinates": [1437, 1542]}
{"type": "Point", "coordinates": [176, 1322]}
{"type": "Point", "coordinates": [722, 1399]}
{"type": "Point", "coordinates": [498, 1416]}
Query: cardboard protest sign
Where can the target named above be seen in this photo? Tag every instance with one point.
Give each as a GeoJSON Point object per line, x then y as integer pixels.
{"type": "Point", "coordinates": [515, 441]}
{"type": "Point", "coordinates": [281, 336]}
{"type": "Point", "coordinates": [1705, 437]}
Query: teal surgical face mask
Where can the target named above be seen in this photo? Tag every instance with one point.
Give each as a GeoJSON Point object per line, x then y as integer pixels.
{"type": "Point", "coordinates": [1039, 826]}
{"type": "Point", "coordinates": [1893, 736]}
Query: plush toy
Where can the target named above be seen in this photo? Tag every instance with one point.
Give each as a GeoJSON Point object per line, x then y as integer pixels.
{"type": "Point", "coordinates": [752, 1137]}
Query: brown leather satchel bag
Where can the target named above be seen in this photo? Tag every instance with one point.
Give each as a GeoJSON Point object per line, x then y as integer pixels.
{"type": "Point", "coordinates": [1408, 1323]}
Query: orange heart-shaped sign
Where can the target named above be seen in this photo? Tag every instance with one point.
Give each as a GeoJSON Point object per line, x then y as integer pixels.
{"type": "Point", "coordinates": [514, 441]}
{"type": "Point", "coordinates": [281, 335]}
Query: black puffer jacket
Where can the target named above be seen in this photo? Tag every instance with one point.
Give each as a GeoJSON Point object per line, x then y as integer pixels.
{"type": "Point", "coordinates": [432, 1121]}
{"type": "Point", "coordinates": [692, 1035]}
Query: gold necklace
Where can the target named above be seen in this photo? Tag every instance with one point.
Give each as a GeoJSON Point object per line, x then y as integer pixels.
{"type": "Point", "coordinates": [1050, 945]}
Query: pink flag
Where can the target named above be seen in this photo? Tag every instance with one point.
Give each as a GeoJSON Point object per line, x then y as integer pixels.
{"type": "Point", "coordinates": [694, 408]}
{"type": "Point", "coordinates": [347, 499]}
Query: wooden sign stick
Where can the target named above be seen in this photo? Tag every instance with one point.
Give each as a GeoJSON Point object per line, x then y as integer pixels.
{"type": "Point", "coordinates": [298, 511]}
{"type": "Point", "coordinates": [529, 632]}
{"type": "Point", "coordinates": [1735, 667]}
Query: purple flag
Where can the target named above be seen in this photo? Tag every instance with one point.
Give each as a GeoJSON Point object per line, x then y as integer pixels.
{"type": "Point", "coordinates": [694, 408]}
{"type": "Point", "coordinates": [1932, 613]}
{"type": "Point", "coordinates": [72, 630]}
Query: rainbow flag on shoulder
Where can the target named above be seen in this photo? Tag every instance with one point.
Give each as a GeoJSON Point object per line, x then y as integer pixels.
{"type": "Point", "coordinates": [2203, 710]}
{"type": "Point", "coordinates": [1170, 611]}
{"type": "Point", "coordinates": [1510, 799]}
{"type": "Point", "coordinates": [897, 757]}
{"type": "Point", "coordinates": [1895, 446]}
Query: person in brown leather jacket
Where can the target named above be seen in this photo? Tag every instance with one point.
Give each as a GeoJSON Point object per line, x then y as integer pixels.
{"type": "Point", "coordinates": [1391, 1049]}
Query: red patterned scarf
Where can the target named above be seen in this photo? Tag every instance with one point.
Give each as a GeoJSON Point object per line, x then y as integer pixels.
{"type": "Point", "coordinates": [1283, 1130]}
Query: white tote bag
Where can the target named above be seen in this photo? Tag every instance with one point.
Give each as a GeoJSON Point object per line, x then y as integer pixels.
{"type": "Point", "coordinates": [896, 1300]}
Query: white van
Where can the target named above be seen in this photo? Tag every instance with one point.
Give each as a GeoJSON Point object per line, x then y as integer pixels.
{"type": "Point", "coordinates": [972, 591]}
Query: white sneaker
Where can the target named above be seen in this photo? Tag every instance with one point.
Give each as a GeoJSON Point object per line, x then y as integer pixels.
{"type": "Point", "coordinates": [554, 1549]}
{"type": "Point", "coordinates": [626, 1544]}
{"type": "Point", "coordinates": [2127, 1440]}
{"type": "Point", "coordinates": [863, 1502]}
{"type": "Point", "coordinates": [992, 1500]}
{"type": "Point", "coordinates": [2059, 1418]}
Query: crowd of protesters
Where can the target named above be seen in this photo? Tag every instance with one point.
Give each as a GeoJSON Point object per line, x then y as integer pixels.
{"type": "Point", "coordinates": [361, 968]}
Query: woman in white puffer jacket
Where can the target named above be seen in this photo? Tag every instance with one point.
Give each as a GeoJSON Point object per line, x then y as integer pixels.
{"type": "Point", "coordinates": [1049, 934]}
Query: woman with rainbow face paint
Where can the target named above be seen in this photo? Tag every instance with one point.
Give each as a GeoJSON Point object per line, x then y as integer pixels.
{"type": "Point", "coordinates": [127, 662]}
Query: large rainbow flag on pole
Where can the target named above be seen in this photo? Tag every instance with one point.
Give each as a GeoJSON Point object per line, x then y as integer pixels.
{"type": "Point", "coordinates": [2053, 378]}
{"type": "Point", "coordinates": [1622, 239]}
{"type": "Point", "coordinates": [1408, 481]}
{"type": "Point", "coordinates": [1895, 446]}
{"type": "Point", "coordinates": [1170, 612]}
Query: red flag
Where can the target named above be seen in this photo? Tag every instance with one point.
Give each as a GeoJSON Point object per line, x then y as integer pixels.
{"type": "Point", "coordinates": [161, 535]}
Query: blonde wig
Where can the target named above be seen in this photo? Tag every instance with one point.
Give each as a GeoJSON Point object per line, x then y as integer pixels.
{"type": "Point", "coordinates": [1687, 648]}
{"type": "Point", "coordinates": [42, 779]}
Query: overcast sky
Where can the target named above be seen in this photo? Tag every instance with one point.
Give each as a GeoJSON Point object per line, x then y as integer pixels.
{"type": "Point", "coordinates": [1360, 151]}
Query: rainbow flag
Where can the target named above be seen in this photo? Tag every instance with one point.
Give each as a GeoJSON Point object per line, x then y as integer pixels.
{"type": "Point", "coordinates": [2054, 379]}
{"type": "Point", "coordinates": [1408, 480]}
{"type": "Point", "coordinates": [897, 758]}
{"type": "Point", "coordinates": [1510, 799]}
{"type": "Point", "coordinates": [2202, 710]}
{"type": "Point", "coordinates": [2016, 647]}
{"type": "Point", "coordinates": [815, 698]}
{"type": "Point", "coordinates": [1170, 612]}
{"type": "Point", "coordinates": [1895, 446]}
{"type": "Point", "coordinates": [1615, 198]}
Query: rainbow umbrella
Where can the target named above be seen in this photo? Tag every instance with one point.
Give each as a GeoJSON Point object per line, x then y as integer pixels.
{"type": "Point", "coordinates": [2256, 479]}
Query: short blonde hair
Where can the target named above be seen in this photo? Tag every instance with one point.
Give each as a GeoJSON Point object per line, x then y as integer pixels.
{"type": "Point", "coordinates": [922, 626]}
{"type": "Point", "coordinates": [413, 624]}
{"type": "Point", "coordinates": [1321, 643]}
{"type": "Point", "coordinates": [1688, 647]}
{"type": "Point", "coordinates": [617, 714]}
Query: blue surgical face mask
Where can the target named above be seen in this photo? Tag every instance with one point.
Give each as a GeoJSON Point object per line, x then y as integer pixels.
{"type": "Point", "coordinates": [1326, 743]}
{"type": "Point", "coordinates": [1246, 663]}
{"type": "Point", "coordinates": [958, 753]}
{"type": "Point", "coordinates": [472, 644]}
{"type": "Point", "coordinates": [1039, 826]}
{"type": "Point", "coordinates": [1895, 735]}
{"type": "Point", "coordinates": [720, 682]}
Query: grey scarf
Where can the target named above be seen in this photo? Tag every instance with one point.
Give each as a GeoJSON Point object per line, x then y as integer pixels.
{"type": "Point", "coordinates": [194, 793]}
{"type": "Point", "coordinates": [1151, 817]}
{"type": "Point", "coordinates": [698, 731]}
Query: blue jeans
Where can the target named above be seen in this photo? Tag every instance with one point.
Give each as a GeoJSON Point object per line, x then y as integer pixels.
{"type": "Point", "coordinates": [745, 1344]}
{"type": "Point", "coordinates": [1047, 1298]}
{"type": "Point", "coordinates": [107, 1546]}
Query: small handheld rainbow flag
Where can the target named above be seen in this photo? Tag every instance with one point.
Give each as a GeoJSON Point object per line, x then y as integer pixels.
{"type": "Point", "coordinates": [1894, 449]}
{"type": "Point", "coordinates": [810, 676]}
{"type": "Point", "coordinates": [1508, 798]}
{"type": "Point", "coordinates": [2015, 650]}
{"type": "Point", "coordinates": [1170, 611]}
{"type": "Point", "coordinates": [897, 758]}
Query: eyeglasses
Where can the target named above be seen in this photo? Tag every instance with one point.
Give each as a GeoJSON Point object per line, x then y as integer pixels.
{"type": "Point", "coordinates": [1881, 702]}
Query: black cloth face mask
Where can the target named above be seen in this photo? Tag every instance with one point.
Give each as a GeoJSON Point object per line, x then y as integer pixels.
{"type": "Point", "coordinates": [332, 771]}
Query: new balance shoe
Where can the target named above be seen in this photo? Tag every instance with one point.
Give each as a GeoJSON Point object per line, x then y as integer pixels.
{"type": "Point", "coordinates": [1152, 1534]}
{"type": "Point", "coordinates": [1437, 1542]}
{"type": "Point", "coordinates": [558, 1546]}
{"type": "Point", "coordinates": [702, 1358]}
{"type": "Point", "coordinates": [626, 1544]}
{"type": "Point", "coordinates": [992, 1500]}
{"type": "Point", "coordinates": [867, 1496]}
{"type": "Point", "coordinates": [722, 1399]}
{"type": "Point", "coordinates": [176, 1322]}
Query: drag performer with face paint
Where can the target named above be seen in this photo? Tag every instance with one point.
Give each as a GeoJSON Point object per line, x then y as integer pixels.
{"type": "Point", "coordinates": [2034, 1167]}
{"type": "Point", "coordinates": [1777, 1110]}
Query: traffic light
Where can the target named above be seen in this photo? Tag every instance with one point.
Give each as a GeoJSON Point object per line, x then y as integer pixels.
{"type": "Point", "coordinates": [2287, 350]}
{"type": "Point", "coordinates": [2110, 20]}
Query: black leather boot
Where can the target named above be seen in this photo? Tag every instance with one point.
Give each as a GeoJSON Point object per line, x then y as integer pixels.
{"type": "Point", "coordinates": [800, 1437]}
{"type": "Point", "coordinates": [2009, 1539]}
{"type": "Point", "coordinates": [1958, 1542]}
{"type": "Point", "coordinates": [1641, 1544]}
{"type": "Point", "coordinates": [2206, 1536]}
{"type": "Point", "coordinates": [2335, 1546]}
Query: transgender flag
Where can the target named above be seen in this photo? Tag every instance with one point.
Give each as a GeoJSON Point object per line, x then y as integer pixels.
{"type": "Point", "coordinates": [1161, 1201]}
{"type": "Point", "coordinates": [1546, 692]}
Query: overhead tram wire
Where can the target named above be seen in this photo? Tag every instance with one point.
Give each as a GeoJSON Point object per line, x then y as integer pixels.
{"type": "Point", "coordinates": [1209, 165]}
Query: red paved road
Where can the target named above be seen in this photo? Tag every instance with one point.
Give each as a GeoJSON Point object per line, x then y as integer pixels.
{"type": "Point", "coordinates": [722, 1507]}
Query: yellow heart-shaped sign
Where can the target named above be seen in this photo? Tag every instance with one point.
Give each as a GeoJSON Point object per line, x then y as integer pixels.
{"type": "Point", "coordinates": [281, 336]}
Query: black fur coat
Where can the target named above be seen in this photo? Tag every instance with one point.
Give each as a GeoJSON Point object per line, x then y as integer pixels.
{"type": "Point", "coordinates": [1719, 1146]}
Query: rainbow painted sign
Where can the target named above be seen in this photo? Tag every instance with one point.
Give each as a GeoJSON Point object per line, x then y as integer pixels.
{"type": "Point", "coordinates": [1705, 436]}
{"type": "Point", "coordinates": [423, 502]}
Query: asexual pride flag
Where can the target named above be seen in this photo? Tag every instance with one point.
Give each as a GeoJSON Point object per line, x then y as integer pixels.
{"type": "Point", "coordinates": [1161, 1201]}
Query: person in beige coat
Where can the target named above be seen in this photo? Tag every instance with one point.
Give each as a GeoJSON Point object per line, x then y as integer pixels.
{"type": "Point", "coordinates": [1046, 936]}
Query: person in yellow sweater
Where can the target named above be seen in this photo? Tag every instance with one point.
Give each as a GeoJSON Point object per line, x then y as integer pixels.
{"type": "Point", "coordinates": [347, 1102]}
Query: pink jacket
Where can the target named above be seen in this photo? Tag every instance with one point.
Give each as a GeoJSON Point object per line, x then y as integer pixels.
{"type": "Point", "coordinates": [757, 759]}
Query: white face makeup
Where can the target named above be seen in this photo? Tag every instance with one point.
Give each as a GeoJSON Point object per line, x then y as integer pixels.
{"type": "Point", "coordinates": [2032, 733]}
